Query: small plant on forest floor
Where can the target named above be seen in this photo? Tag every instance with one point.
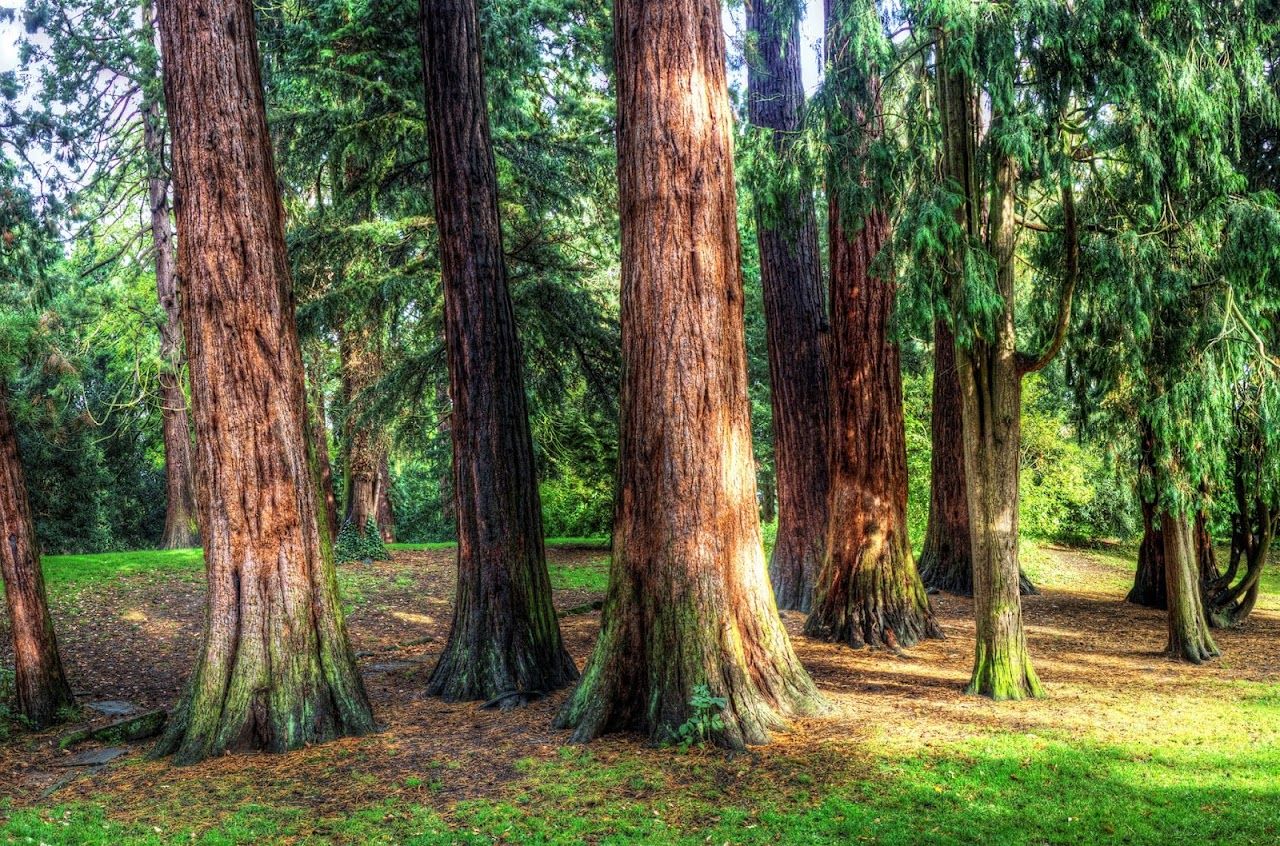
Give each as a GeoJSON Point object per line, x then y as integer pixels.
{"type": "Point", "coordinates": [704, 719]}
{"type": "Point", "coordinates": [353, 546]}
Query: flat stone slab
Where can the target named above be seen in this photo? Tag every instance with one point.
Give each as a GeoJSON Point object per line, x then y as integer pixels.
{"type": "Point", "coordinates": [92, 757]}
{"type": "Point", "coordinates": [113, 707]}
{"type": "Point", "coordinates": [393, 666]}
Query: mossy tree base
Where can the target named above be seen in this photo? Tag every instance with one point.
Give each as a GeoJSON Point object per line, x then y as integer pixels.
{"type": "Point", "coordinates": [1003, 672]}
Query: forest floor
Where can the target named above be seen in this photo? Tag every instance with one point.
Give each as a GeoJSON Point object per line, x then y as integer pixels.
{"type": "Point", "coordinates": [1129, 747]}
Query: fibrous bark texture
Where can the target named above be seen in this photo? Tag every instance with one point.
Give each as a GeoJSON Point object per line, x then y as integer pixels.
{"type": "Point", "coordinates": [689, 608]}
{"type": "Point", "coordinates": [791, 279]}
{"type": "Point", "coordinates": [946, 559]}
{"type": "Point", "coordinates": [275, 670]}
{"type": "Point", "coordinates": [505, 642]}
{"type": "Point", "coordinates": [180, 529]}
{"type": "Point", "coordinates": [868, 592]}
{"type": "Point", "coordinates": [39, 681]}
{"type": "Point", "coordinates": [1189, 637]}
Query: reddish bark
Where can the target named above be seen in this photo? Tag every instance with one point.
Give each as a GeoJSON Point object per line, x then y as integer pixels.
{"type": "Point", "coordinates": [505, 641]}
{"type": "Point", "coordinates": [40, 684]}
{"type": "Point", "coordinates": [688, 603]}
{"type": "Point", "coordinates": [791, 278]}
{"type": "Point", "coordinates": [180, 529]}
{"type": "Point", "coordinates": [275, 670]}
{"type": "Point", "coordinates": [319, 430]}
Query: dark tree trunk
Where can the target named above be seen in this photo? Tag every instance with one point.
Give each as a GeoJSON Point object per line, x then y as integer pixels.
{"type": "Point", "coordinates": [505, 641]}
{"type": "Point", "coordinates": [689, 603]}
{"type": "Point", "coordinates": [275, 670]}
{"type": "Point", "coordinates": [360, 353]}
{"type": "Point", "coordinates": [1189, 637]}
{"type": "Point", "coordinates": [868, 592]}
{"type": "Point", "coordinates": [946, 559]}
{"type": "Point", "coordinates": [791, 278]}
{"type": "Point", "coordinates": [319, 430]}
{"type": "Point", "coordinates": [386, 514]}
{"type": "Point", "coordinates": [180, 529]}
{"type": "Point", "coordinates": [1148, 583]}
{"type": "Point", "coordinates": [41, 687]}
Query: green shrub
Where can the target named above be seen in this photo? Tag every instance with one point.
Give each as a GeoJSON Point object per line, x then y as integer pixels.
{"type": "Point", "coordinates": [352, 546]}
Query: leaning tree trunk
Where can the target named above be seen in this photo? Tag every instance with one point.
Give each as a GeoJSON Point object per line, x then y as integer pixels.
{"type": "Point", "coordinates": [180, 529]}
{"type": "Point", "coordinates": [946, 559]}
{"type": "Point", "coordinates": [505, 642]}
{"type": "Point", "coordinates": [689, 609]}
{"type": "Point", "coordinates": [868, 592]}
{"type": "Point", "coordinates": [1189, 637]}
{"type": "Point", "coordinates": [275, 670]}
{"type": "Point", "coordinates": [41, 687]}
{"type": "Point", "coordinates": [791, 278]}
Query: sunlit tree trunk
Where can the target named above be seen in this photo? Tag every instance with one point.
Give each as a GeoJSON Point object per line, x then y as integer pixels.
{"type": "Point", "coordinates": [1189, 637]}
{"type": "Point", "coordinates": [386, 513]}
{"type": "Point", "coordinates": [791, 278]}
{"type": "Point", "coordinates": [275, 670]}
{"type": "Point", "coordinates": [39, 682]}
{"type": "Point", "coordinates": [689, 608]}
{"type": "Point", "coordinates": [946, 559]}
{"type": "Point", "coordinates": [180, 529]}
{"type": "Point", "coordinates": [505, 641]}
{"type": "Point", "coordinates": [868, 592]}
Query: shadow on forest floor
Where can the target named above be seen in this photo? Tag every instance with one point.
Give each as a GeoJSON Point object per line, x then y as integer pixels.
{"type": "Point", "coordinates": [1128, 747]}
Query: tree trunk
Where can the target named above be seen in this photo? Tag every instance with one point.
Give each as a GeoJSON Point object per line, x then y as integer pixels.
{"type": "Point", "coordinates": [991, 396]}
{"type": "Point", "coordinates": [1149, 582]}
{"type": "Point", "coordinates": [41, 686]}
{"type": "Point", "coordinates": [1189, 637]}
{"type": "Point", "coordinates": [386, 514]}
{"type": "Point", "coordinates": [275, 670]}
{"type": "Point", "coordinates": [791, 279]}
{"type": "Point", "coordinates": [689, 610]}
{"type": "Point", "coordinates": [360, 353]}
{"type": "Point", "coordinates": [505, 641]}
{"type": "Point", "coordinates": [868, 592]}
{"type": "Point", "coordinates": [319, 430]}
{"type": "Point", "coordinates": [946, 559]}
{"type": "Point", "coordinates": [180, 528]}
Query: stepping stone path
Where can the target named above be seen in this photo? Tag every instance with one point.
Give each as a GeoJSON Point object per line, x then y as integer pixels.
{"type": "Point", "coordinates": [113, 707]}
{"type": "Point", "coordinates": [92, 757]}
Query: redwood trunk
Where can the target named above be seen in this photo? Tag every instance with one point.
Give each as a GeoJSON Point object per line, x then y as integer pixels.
{"type": "Point", "coordinates": [689, 608]}
{"type": "Point", "coordinates": [180, 529]}
{"type": "Point", "coordinates": [1189, 637]}
{"type": "Point", "coordinates": [791, 279]}
{"type": "Point", "coordinates": [40, 684]}
{"type": "Point", "coordinates": [868, 592]}
{"type": "Point", "coordinates": [946, 559]}
{"type": "Point", "coordinates": [275, 670]}
{"type": "Point", "coordinates": [505, 642]}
